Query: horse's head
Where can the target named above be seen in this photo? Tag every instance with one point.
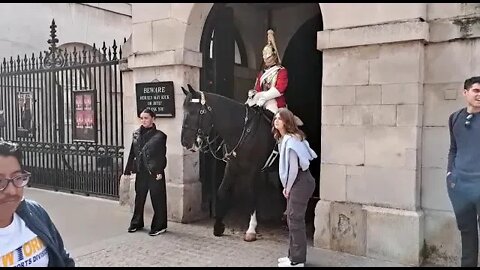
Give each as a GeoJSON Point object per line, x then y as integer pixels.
{"type": "Point", "coordinates": [197, 120]}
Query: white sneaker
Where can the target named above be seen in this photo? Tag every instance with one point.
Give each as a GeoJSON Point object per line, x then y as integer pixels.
{"type": "Point", "coordinates": [289, 264]}
{"type": "Point", "coordinates": [155, 233]}
{"type": "Point", "coordinates": [283, 259]}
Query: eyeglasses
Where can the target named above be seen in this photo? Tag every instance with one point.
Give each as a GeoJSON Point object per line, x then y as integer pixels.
{"type": "Point", "coordinates": [18, 181]}
{"type": "Point", "coordinates": [468, 120]}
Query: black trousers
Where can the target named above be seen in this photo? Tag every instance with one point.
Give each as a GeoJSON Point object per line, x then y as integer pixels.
{"type": "Point", "coordinates": [465, 199]}
{"type": "Point", "coordinates": [143, 183]}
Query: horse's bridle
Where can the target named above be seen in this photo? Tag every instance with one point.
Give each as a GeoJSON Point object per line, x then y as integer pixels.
{"type": "Point", "coordinates": [199, 133]}
{"type": "Point", "coordinates": [203, 136]}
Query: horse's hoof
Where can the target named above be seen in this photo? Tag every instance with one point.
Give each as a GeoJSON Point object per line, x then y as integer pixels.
{"type": "Point", "coordinates": [250, 237]}
{"type": "Point", "coordinates": [218, 230]}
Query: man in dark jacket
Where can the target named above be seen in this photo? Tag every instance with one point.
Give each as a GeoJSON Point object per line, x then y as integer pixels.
{"type": "Point", "coordinates": [463, 170]}
{"type": "Point", "coordinates": [28, 236]}
{"type": "Point", "coordinates": [148, 160]}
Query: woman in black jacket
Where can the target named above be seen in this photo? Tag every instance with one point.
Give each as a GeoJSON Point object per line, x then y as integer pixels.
{"type": "Point", "coordinates": [148, 160]}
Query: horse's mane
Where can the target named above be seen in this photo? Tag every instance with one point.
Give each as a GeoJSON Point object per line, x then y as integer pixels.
{"type": "Point", "coordinates": [223, 98]}
{"type": "Point", "coordinates": [231, 109]}
{"type": "Point", "coordinates": [228, 103]}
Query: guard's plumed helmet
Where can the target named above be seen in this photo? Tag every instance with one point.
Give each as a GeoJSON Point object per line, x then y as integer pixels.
{"type": "Point", "coordinates": [270, 52]}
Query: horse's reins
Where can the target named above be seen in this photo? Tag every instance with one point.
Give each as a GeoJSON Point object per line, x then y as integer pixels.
{"type": "Point", "coordinates": [205, 135]}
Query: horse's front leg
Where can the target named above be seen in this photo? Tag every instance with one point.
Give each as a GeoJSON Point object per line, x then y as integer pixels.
{"type": "Point", "coordinates": [251, 234]}
{"type": "Point", "coordinates": [221, 208]}
{"type": "Point", "coordinates": [224, 200]}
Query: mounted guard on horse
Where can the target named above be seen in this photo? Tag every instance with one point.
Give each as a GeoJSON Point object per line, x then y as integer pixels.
{"type": "Point", "coordinates": [247, 145]}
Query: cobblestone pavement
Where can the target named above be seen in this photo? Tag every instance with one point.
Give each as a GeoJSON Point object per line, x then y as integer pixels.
{"type": "Point", "coordinates": [194, 245]}
{"type": "Point", "coordinates": [94, 230]}
{"type": "Point", "coordinates": [181, 245]}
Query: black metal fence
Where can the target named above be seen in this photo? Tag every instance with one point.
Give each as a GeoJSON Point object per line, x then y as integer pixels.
{"type": "Point", "coordinates": [65, 108]}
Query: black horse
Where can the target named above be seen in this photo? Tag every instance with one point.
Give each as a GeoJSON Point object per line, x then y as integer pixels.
{"type": "Point", "coordinates": [247, 145]}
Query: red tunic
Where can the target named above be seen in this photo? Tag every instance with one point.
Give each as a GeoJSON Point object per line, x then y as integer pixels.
{"type": "Point", "coordinates": [281, 85]}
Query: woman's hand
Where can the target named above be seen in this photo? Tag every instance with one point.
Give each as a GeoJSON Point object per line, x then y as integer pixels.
{"type": "Point", "coordinates": [159, 176]}
{"type": "Point", "coordinates": [285, 193]}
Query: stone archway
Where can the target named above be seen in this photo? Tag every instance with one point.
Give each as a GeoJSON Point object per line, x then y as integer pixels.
{"type": "Point", "coordinates": [197, 17]}
{"type": "Point", "coordinates": [196, 25]}
{"type": "Point", "coordinates": [195, 22]}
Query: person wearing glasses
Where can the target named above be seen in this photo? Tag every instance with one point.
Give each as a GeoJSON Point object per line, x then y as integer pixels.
{"type": "Point", "coordinates": [28, 236]}
{"type": "Point", "coordinates": [463, 170]}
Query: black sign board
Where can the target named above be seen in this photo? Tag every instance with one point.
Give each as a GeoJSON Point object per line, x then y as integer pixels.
{"type": "Point", "coordinates": [156, 96]}
{"type": "Point", "coordinates": [85, 119]}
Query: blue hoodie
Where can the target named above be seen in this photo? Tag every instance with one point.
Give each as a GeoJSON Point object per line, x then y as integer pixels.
{"type": "Point", "coordinates": [39, 222]}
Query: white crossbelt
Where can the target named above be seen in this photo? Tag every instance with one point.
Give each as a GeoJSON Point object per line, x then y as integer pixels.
{"type": "Point", "coordinates": [268, 73]}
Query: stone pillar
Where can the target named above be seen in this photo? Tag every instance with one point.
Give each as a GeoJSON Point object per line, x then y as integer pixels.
{"type": "Point", "coordinates": [372, 109]}
{"type": "Point", "coordinates": [128, 122]}
{"type": "Point", "coordinates": [159, 52]}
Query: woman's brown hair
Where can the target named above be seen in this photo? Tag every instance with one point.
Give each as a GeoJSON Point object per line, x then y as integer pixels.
{"type": "Point", "coordinates": [290, 126]}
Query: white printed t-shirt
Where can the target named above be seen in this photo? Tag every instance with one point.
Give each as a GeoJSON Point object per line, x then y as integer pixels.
{"type": "Point", "coordinates": [20, 247]}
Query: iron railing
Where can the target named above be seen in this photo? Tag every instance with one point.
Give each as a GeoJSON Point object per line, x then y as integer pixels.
{"type": "Point", "coordinates": [65, 108]}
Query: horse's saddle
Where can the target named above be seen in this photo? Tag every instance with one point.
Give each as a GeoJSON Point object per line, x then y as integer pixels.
{"type": "Point", "coordinates": [267, 115]}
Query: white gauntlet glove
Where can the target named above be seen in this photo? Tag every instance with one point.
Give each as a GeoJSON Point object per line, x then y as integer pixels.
{"type": "Point", "coordinates": [261, 101]}
{"type": "Point", "coordinates": [252, 97]}
{"type": "Point", "coordinates": [267, 95]}
{"type": "Point", "coordinates": [251, 93]}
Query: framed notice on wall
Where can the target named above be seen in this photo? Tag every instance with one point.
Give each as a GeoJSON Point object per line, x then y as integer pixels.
{"type": "Point", "coordinates": [84, 116]}
{"type": "Point", "coordinates": [25, 127]}
{"type": "Point", "coordinates": [156, 96]}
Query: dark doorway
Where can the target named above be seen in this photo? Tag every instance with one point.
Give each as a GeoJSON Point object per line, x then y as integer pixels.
{"type": "Point", "coordinates": [218, 49]}
{"type": "Point", "coordinates": [304, 64]}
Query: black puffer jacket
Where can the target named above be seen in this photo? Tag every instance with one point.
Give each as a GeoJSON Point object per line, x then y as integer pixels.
{"type": "Point", "coordinates": [148, 152]}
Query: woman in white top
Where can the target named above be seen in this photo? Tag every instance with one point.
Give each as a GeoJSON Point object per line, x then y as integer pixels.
{"type": "Point", "coordinates": [297, 181]}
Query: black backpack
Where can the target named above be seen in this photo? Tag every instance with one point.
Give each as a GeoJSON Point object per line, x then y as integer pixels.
{"type": "Point", "coordinates": [454, 118]}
